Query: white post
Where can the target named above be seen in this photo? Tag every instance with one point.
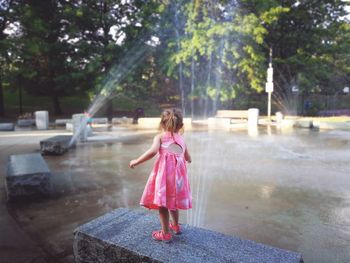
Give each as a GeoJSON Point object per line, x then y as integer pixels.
{"type": "Point", "coordinates": [80, 131]}
{"type": "Point", "coordinates": [253, 117]}
{"type": "Point", "coordinates": [42, 120]}
{"type": "Point", "coordinates": [269, 86]}
{"type": "Point", "coordinates": [279, 117]}
{"type": "Point", "coordinates": [269, 106]}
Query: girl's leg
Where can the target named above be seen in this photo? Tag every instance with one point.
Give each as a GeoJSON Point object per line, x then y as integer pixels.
{"type": "Point", "coordinates": [175, 217]}
{"type": "Point", "coordinates": [164, 219]}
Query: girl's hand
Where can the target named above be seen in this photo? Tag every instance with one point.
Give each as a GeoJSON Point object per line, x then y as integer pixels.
{"type": "Point", "coordinates": [132, 163]}
{"type": "Point", "coordinates": [150, 153]}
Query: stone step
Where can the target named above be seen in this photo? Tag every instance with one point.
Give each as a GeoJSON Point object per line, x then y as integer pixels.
{"type": "Point", "coordinates": [123, 235]}
{"type": "Point", "coordinates": [27, 176]}
{"type": "Point", "coordinates": [56, 145]}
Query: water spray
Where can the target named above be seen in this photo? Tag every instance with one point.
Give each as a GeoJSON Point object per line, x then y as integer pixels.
{"type": "Point", "coordinates": [115, 76]}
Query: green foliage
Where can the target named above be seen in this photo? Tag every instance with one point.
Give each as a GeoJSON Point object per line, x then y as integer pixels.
{"type": "Point", "coordinates": [311, 47]}
{"type": "Point", "coordinates": [211, 51]}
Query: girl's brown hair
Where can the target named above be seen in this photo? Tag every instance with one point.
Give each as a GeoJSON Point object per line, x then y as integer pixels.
{"type": "Point", "coordinates": [171, 120]}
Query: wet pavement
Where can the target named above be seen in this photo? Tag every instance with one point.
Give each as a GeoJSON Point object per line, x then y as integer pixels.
{"type": "Point", "coordinates": [288, 189]}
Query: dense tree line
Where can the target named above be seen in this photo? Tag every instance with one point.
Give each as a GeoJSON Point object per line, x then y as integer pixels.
{"type": "Point", "coordinates": [197, 54]}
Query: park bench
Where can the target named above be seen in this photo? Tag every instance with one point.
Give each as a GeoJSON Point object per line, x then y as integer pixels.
{"type": "Point", "coordinates": [123, 235]}
{"type": "Point", "coordinates": [232, 114]}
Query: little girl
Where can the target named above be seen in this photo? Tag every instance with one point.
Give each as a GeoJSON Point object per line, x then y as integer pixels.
{"type": "Point", "coordinates": [167, 188]}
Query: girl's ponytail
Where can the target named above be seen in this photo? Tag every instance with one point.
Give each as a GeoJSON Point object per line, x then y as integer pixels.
{"type": "Point", "coordinates": [171, 120]}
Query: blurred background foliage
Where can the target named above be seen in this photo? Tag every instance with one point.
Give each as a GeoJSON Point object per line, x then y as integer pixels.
{"type": "Point", "coordinates": [201, 55]}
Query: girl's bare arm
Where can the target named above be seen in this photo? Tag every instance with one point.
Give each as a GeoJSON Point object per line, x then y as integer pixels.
{"type": "Point", "coordinates": [149, 154]}
{"type": "Point", "coordinates": [188, 156]}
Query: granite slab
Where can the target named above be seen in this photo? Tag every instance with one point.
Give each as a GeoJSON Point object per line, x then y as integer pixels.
{"type": "Point", "coordinates": [27, 176]}
{"type": "Point", "coordinates": [56, 145]}
{"type": "Point", "coordinates": [123, 235]}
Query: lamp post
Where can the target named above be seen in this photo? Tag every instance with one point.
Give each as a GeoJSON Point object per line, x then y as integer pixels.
{"type": "Point", "coordinates": [269, 86]}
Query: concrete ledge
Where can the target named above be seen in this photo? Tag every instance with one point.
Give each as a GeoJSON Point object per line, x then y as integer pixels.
{"type": "Point", "coordinates": [27, 176]}
{"type": "Point", "coordinates": [332, 125]}
{"type": "Point", "coordinates": [25, 122]}
{"type": "Point", "coordinates": [121, 120]}
{"type": "Point", "coordinates": [219, 123]}
{"type": "Point", "coordinates": [99, 120]}
{"type": "Point", "coordinates": [288, 123]}
{"type": "Point", "coordinates": [62, 122]}
{"type": "Point", "coordinates": [7, 126]}
{"type": "Point", "coordinates": [153, 123]}
{"type": "Point", "coordinates": [123, 235]}
{"type": "Point", "coordinates": [56, 145]}
{"type": "Point", "coordinates": [226, 123]}
{"type": "Point", "coordinates": [308, 124]}
{"type": "Point", "coordinates": [233, 114]}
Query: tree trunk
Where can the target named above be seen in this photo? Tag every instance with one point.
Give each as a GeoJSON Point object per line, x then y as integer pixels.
{"type": "Point", "coordinates": [2, 102]}
{"type": "Point", "coordinates": [109, 110]}
{"type": "Point", "coordinates": [192, 87]}
{"type": "Point", "coordinates": [20, 97]}
{"type": "Point", "coordinates": [56, 105]}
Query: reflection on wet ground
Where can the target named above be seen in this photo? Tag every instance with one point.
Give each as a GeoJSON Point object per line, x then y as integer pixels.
{"type": "Point", "coordinates": [289, 190]}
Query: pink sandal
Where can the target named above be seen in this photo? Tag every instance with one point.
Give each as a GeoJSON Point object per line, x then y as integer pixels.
{"type": "Point", "coordinates": [176, 229]}
{"type": "Point", "coordinates": [161, 236]}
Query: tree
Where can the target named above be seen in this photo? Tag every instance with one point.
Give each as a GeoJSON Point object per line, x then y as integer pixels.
{"type": "Point", "coordinates": [43, 66]}
{"type": "Point", "coordinates": [225, 46]}
{"type": "Point", "coordinates": [311, 46]}
{"type": "Point", "coordinates": [8, 16]}
{"type": "Point", "coordinates": [108, 36]}
{"type": "Point", "coordinates": [222, 50]}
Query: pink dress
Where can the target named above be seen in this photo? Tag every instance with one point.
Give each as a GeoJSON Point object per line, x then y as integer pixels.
{"type": "Point", "coordinates": [168, 184]}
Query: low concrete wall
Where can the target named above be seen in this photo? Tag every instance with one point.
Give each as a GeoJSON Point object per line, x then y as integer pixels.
{"type": "Point", "coordinates": [7, 126]}
{"type": "Point", "coordinates": [124, 235]}
{"type": "Point", "coordinates": [219, 123]}
{"type": "Point", "coordinates": [121, 120]}
{"type": "Point", "coordinates": [308, 124]}
{"type": "Point", "coordinates": [226, 123]}
{"type": "Point", "coordinates": [99, 120]}
{"type": "Point", "coordinates": [25, 122]}
{"type": "Point", "coordinates": [232, 114]}
{"type": "Point", "coordinates": [153, 123]}
{"type": "Point", "coordinates": [332, 125]}
{"type": "Point", "coordinates": [62, 122]}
